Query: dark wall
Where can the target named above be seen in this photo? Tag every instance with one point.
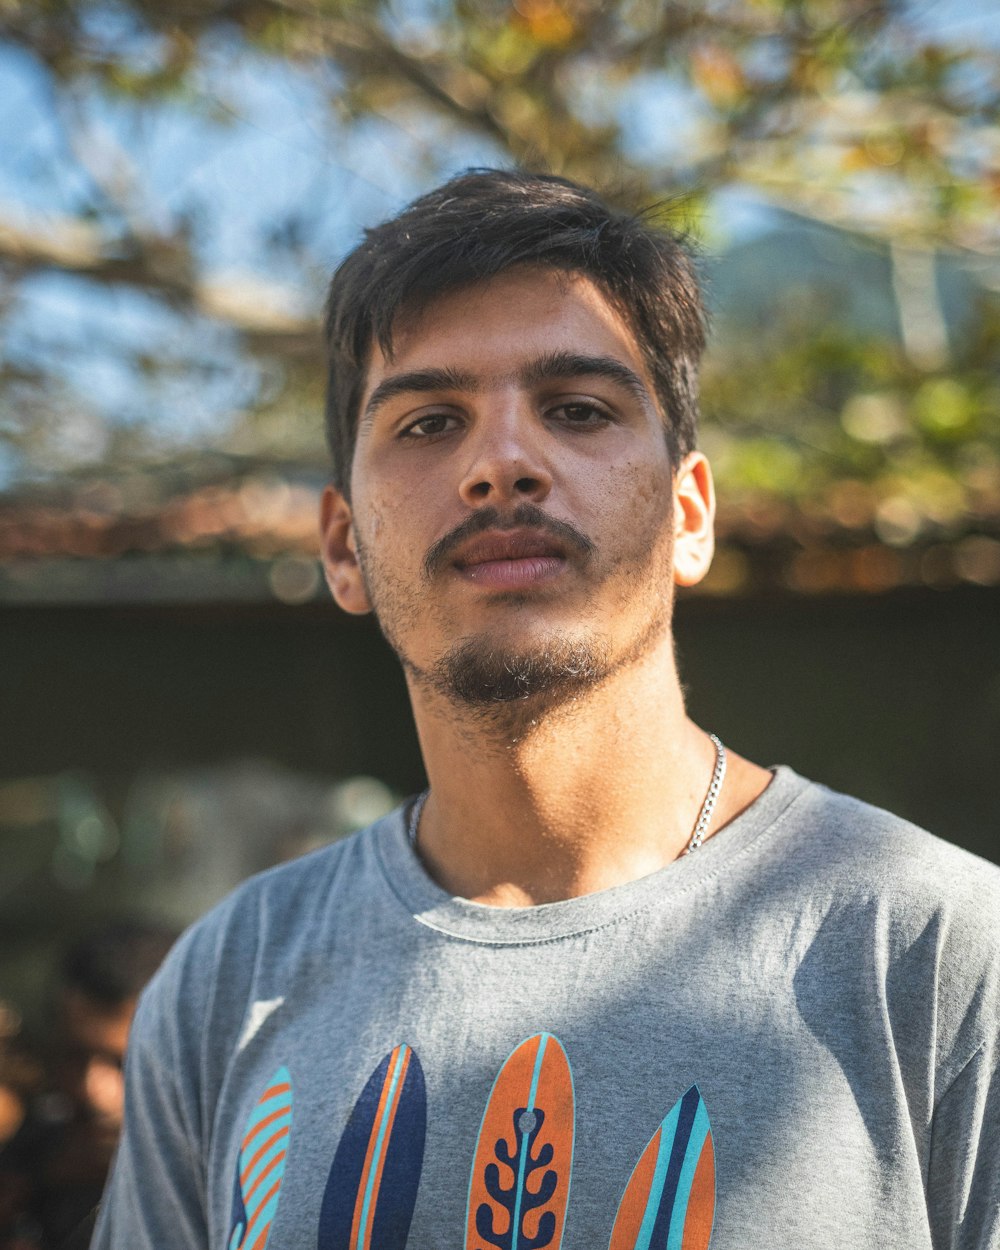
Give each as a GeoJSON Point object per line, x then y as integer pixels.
{"type": "Point", "coordinates": [115, 689]}
{"type": "Point", "coordinates": [896, 698]}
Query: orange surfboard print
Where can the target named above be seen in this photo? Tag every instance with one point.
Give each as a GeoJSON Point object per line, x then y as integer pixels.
{"type": "Point", "coordinates": [669, 1201]}
{"type": "Point", "coordinates": [519, 1188]}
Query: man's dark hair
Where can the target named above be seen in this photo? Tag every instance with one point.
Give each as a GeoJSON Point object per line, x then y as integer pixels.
{"type": "Point", "coordinates": [111, 965]}
{"type": "Point", "coordinates": [483, 223]}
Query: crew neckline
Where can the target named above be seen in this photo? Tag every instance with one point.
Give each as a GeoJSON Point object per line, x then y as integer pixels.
{"type": "Point", "coordinates": [434, 908]}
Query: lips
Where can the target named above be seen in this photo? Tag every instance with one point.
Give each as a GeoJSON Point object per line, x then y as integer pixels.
{"type": "Point", "coordinates": [514, 545]}
{"type": "Point", "coordinates": [510, 560]}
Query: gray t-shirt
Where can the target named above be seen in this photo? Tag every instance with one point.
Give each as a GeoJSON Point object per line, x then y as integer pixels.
{"type": "Point", "coordinates": [788, 1039]}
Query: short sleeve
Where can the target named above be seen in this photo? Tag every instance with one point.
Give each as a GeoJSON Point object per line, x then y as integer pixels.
{"type": "Point", "coordinates": [155, 1198]}
{"type": "Point", "coordinates": [963, 1186]}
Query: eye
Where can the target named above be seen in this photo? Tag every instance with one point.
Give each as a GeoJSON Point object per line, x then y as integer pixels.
{"type": "Point", "coordinates": [429, 425]}
{"type": "Point", "coordinates": [581, 413]}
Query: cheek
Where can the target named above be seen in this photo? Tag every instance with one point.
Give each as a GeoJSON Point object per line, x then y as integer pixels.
{"type": "Point", "coordinates": [642, 542]}
{"type": "Point", "coordinates": [388, 530]}
{"type": "Point", "coordinates": [639, 505]}
{"type": "Point", "coordinates": [652, 490]}
{"type": "Point", "coordinates": [399, 521]}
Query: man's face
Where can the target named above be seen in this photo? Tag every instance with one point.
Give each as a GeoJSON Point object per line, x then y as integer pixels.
{"type": "Point", "coordinates": [512, 508]}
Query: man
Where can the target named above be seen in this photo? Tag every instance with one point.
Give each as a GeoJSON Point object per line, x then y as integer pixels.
{"type": "Point", "coordinates": [59, 1159]}
{"type": "Point", "coordinates": [606, 984]}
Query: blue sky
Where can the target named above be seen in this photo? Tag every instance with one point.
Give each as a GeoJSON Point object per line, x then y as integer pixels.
{"type": "Point", "coordinates": [256, 156]}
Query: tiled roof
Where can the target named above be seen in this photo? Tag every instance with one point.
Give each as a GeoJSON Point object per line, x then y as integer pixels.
{"type": "Point", "coordinates": [267, 516]}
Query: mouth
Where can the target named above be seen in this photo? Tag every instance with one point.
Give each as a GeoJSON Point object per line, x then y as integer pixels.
{"type": "Point", "coordinates": [510, 559]}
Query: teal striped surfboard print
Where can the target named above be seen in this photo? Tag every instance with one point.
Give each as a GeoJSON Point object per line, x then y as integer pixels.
{"type": "Point", "coordinates": [669, 1202]}
{"type": "Point", "coordinates": [260, 1166]}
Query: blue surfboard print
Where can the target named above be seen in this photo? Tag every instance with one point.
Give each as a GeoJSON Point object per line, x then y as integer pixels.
{"type": "Point", "coordinates": [372, 1188]}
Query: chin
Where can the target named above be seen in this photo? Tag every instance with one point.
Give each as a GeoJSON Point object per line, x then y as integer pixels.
{"type": "Point", "coordinates": [479, 673]}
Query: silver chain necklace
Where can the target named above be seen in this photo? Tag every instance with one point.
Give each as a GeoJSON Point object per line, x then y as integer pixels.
{"type": "Point", "coordinates": [708, 807]}
{"type": "Point", "coordinates": [700, 825]}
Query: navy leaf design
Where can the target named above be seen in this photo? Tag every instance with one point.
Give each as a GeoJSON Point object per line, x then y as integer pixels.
{"type": "Point", "coordinates": [519, 1199]}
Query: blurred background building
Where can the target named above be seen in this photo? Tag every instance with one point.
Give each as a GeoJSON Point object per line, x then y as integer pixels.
{"type": "Point", "coordinates": [181, 706]}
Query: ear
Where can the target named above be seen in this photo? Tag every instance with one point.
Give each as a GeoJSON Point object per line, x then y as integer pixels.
{"type": "Point", "coordinates": [694, 519]}
{"type": "Point", "coordinates": [339, 553]}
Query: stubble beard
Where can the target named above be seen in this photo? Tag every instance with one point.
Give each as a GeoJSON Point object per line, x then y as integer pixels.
{"type": "Point", "coordinates": [482, 675]}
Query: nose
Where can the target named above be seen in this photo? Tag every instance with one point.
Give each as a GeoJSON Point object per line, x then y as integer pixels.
{"type": "Point", "coordinates": [507, 462]}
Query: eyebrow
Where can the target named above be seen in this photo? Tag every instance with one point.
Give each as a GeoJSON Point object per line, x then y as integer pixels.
{"type": "Point", "coordinates": [556, 365]}
{"type": "Point", "coordinates": [549, 367]}
{"type": "Point", "coordinates": [416, 381]}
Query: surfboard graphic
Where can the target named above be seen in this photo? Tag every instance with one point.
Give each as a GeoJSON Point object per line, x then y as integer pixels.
{"type": "Point", "coordinates": [370, 1193]}
{"type": "Point", "coordinates": [519, 1186]}
{"type": "Point", "coordinates": [669, 1201]}
{"type": "Point", "coordinates": [260, 1166]}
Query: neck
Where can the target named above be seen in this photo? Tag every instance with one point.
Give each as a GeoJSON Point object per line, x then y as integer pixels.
{"type": "Point", "coordinates": [531, 805]}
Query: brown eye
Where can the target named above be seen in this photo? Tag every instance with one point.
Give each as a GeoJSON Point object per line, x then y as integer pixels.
{"type": "Point", "coordinates": [428, 426]}
{"type": "Point", "coordinates": [581, 414]}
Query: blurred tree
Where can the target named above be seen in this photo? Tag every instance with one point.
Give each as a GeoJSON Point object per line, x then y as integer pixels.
{"type": "Point", "coordinates": [874, 118]}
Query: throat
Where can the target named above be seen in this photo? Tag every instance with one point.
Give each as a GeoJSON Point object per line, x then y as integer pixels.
{"type": "Point", "coordinates": [605, 788]}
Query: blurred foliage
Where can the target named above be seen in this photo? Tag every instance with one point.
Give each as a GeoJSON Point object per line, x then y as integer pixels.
{"type": "Point", "coordinates": [869, 117]}
{"type": "Point", "coordinates": [853, 431]}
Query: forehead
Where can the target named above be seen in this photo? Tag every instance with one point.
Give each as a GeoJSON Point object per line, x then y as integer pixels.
{"type": "Point", "coordinates": [491, 328]}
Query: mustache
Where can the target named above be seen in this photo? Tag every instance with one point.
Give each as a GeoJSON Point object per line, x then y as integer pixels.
{"type": "Point", "coordinates": [524, 516]}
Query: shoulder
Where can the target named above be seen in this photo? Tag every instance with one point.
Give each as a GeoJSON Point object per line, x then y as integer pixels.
{"type": "Point", "coordinates": [234, 928]}
{"type": "Point", "coordinates": [893, 906]}
{"type": "Point", "coordinates": [859, 847]}
{"type": "Point", "coordinates": [272, 926]}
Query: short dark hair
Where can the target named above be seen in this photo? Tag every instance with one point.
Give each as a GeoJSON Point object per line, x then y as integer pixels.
{"type": "Point", "coordinates": [111, 965]}
{"type": "Point", "coordinates": [485, 222]}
